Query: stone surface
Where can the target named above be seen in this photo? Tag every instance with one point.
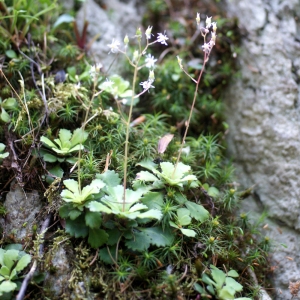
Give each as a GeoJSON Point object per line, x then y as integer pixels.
{"type": "Point", "coordinates": [57, 283]}
{"type": "Point", "coordinates": [22, 209]}
{"type": "Point", "coordinates": [114, 22]}
{"type": "Point", "coordinates": [264, 118]}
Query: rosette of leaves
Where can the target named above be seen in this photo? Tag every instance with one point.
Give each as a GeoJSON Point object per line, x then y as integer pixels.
{"type": "Point", "coordinates": [220, 284]}
{"type": "Point", "coordinates": [7, 104]}
{"type": "Point", "coordinates": [80, 222]}
{"type": "Point", "coordinates": [165, 174]}
{"type": "Point", "coordinates": [3, 154]}
{"type": "Point", "coordinates": [12, 262]}
{"type": "Point", "coordinates": [64, 145]}
{"type": "Point", "coordinates": [113, 202]}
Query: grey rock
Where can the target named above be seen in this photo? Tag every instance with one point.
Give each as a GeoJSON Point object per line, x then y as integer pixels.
{"type": "Point", "coordinates": [57, 282]}
{"type": "Point", "coordinates": [116, 21]}
{"type": "Point", "coordinates": [22, 209]}
{"type": "Point", "coordinates": [264, 118]}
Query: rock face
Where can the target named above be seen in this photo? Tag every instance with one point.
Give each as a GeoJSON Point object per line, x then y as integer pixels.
{"type": "Point", "coordinates": [264, 117]}
{"type": "Point", "coordinates": [22, 212]}
{"type": "Point", "coordinates": [109, 20]}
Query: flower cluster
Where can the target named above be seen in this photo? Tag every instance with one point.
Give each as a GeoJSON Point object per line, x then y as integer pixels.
{"type": "Point", "coordinates": [210, 27]}
{"type": "Point", "coordinates": [94, 70]}
{"type": "Point", "coordinates": [149, 59]}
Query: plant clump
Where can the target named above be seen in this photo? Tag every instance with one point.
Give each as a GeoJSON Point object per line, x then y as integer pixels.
{"type": "Point", "coordinates": [130, 167]}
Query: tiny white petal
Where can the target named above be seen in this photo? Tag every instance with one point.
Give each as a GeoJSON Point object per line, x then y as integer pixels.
{"type": "Point", "coordinates": [114, 46]}
{"type": "Point", "coordinates": [162, 38]}
{"type": "Point", "coordinates": [150, 61]}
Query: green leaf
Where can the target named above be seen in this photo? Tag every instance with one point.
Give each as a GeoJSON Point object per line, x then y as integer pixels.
{"type": "Point", "coordinates": [2, 147]}
{"type": "Point", "coordinates": [197, 211]}
{"type": "Point", "coordinates": [151, 214]}
{"type": "Point", "coordinates": [230, 282]}
{"type": "Point", "coordinates": [110, 177]}
{"type": "Point", "coordinates": [4, 116]}
{"type": "Point", "coordinates": [180, 198]}
{"type": "Point", "coordinates": [79, 137]}
{"type": "Point", "coordinates": [154, 200]}
{"type": "Point", "coordinates": [10, 54]}
{"type": "Point", "coordinates": [140, 242]}
{"type": "Point", "coordinates": [3, 155]}
{"type": "Point", "coordinates": [183, 216]}
{"type": "Point", "coordinates": [146, 176]}
{"type": "Point", "coordinates": [64, 18]}
{"type": "Point", "coordinates": [105, 254]}
{"type": "Point", "coordinates": [213, 192]}
{"type": "Point", "coordinates": [2, 251]}
{"type": "Point", "coordinates": [18, 247]}
{"type": "Point", "coordinates": [9, 103]}
{"type": "Point", "coordinates": [64, 138]}
{"type": "Point", "coordinates": [10, 257]}
{"type": "Point", "coordinates": [77, 228]}
{"type": "Point", "coordinates": [188, 232]}
{"type": "Point", "coordinates": [98, 207]}
{"type": "Point", "coordinates": [13, 274]}
{"type": "Point", "coordinates": [5, 271]}
{"type": "Point", "coordinates": [23, 262]}
{"type": "Point", "coordinates": [57, 171]}
{"type": "Point", "coordinates": [75, 196]}
{"type": "Point", "coordinates": [168, 169]}
{"type": "Point", "coordinates": [48, 142]}
{"type": "Point", "coordinates": [226, 293]}
{"type": "Point", "coordinates": [49, 157]}
{"type": "Point", "coordinates": [148, 164]}
{"type": "Point", "coordinates": [158, 236]}
{"type": "Point", "coordinates": [7, 287]}
{"type": "Point", "coordinates": [97, 237]}
{"type": "Point", "coordinates": [72, 185]}
{"type": "Point", "coordinates": [198, 288]}
{"type": "Point", "coordinates": [233, 273]}
{"type": "Point", "coordinates": [64, 210]}
{"type": "Point", "coordinates": [74, 214]}
{"type": "Point", "coordinates": [113, 236]}
{"type": "Point", "coordinates": [218, 276]}
{"type": "Point", "coordinates": [93, 219]}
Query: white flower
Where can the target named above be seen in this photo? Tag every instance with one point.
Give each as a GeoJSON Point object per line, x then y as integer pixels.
{"type": "Point", "coordinates": [148, 32]}
{"type": "Point", "coordinates": [208, 22]}
{"type": "Point", "coordinates": [150, 61]}
{"type": "Point", "coordinates": [208, 46]}
{"type": "Point", "coordinates": [147, 84]}
{"type": "Point", "coordinates": [95, 69]}
{"type": "Point", "coordinates": [114, 46]}
{"type": "Point", "coordinates": [162, 38]}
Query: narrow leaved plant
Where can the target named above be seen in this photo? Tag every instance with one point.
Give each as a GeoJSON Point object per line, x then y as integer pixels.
{"type": "Point", "coordinates": [149, 62]}
{"type": "Point", "coordinates": [211, 27]}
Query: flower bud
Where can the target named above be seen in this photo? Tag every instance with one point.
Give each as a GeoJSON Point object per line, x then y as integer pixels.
{"type": "Point", "coordinates": [135, 55]}
{"type": "Point", "coordinates": [214, 26]}
{"type": "Point", "coordinates": [148, 32]}
{"type": "Point", "coordinates": [179, 61]}
{"type": "Point", "coordinates": [138, 33]}
{"type": "Point", "coordinates": [198, 19]}
{"type": "Point", "coordinates": [126, 40]}
{"type": "Point", "coordinates": [151, 75]}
